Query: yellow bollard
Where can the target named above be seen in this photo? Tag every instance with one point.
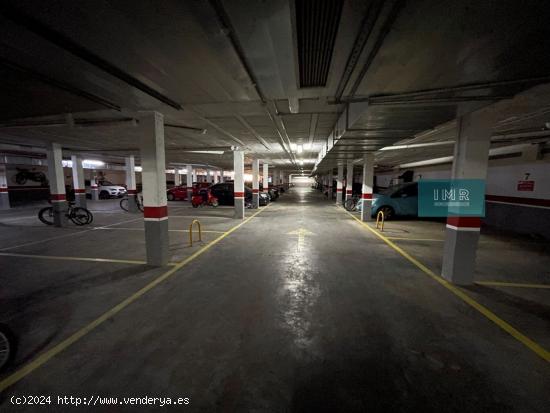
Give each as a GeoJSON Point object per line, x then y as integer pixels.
{"type": "Point", "coordinates": [380, 221]}
{"type": "Point", "coordinates": [191, 231]}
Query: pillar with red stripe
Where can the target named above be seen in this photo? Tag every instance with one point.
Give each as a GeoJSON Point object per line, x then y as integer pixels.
{"type": "Point", "coordinates": [256, 183]}
{"type": "Point", "coordinates": [78, 181]}
{"type": "Point", "coordinates": [131, 190]}
{"type": "Point", "coordinates": [4, 196]}
{"type": "Point", "coordinates": [153, 176]}
{"type": "Point", "coordinates": [349, 180]}
{"type": "Point", "coordinates": [470, 161]}
{"type": "Point", "coordinates": [366, 190]}
{"type": "Point", "coordinates": [339, 184]}
{"type": "Point", "coordinates": [56, 178]}
{"type": "Point", "coordinates": [238, 182]}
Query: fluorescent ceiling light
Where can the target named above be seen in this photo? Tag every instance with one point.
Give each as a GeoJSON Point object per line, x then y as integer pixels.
{"type": "Point", "coordinates": [301, 161]}
{"type": "Point", "coordinates": [210, 152]}
{"type": "Point", "coordinates": [300, 148]}
{"type": "Point", "coordinates": [93, 162]}
{"type": "Point", "coordinates": [137, 169]}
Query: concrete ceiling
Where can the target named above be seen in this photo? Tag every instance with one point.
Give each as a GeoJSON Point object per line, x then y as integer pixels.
{"type": "Point", "coordinates": [231, 68]}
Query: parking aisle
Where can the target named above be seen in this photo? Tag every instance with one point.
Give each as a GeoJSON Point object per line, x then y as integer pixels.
{"type": "Point", "coordinates": [299, 309]}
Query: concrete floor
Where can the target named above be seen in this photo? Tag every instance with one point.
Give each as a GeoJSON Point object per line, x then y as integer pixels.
{"type": "Point", "coordinates": [299, 309]}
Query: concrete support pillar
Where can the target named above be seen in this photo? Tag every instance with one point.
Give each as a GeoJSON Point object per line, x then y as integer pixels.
{"type": "Point", "coordinates": [330, 176]}
{"type": "Point", "coordinates": [155, 213]}
{"type": "Point", "coordinates": [471, 158]}
{"type": "Point", "coordinates": [194, 176]}
{"type": "Point", "coordinates": [256, 183]}
{"type": "Point", "coordinates": [177, 176]}
{"type": "Point", "coordinates": [222, 179]}
{"type": "Point", "coordinates": [78, 181]}
{"type": "Point", "coordinates": [238, 164]}
{"type": "Point", "coordinates": [349, 180]}
{"type": "Point", "coordinates": [366, 190]}
{"type": "Point", "coordinates": [94, 189]}
{"type": "Point", "coordinates": [209, 176]}
{"type": "Point", "coordinates": [189, 185]}
{"type": "Point", "coordinates": [339, 184]}
{"type": "Point", "coordinates": [4, 196]}
{"type": "Point", "coordinates": [131, 183]}
{"type": "Point", "coordinates": [265, 179]}
{"type": "Point", "coordinates": [56, 177]}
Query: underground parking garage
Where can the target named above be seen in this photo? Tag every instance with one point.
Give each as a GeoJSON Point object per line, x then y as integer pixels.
{"type": "Point", "coordinates": [275, 206]}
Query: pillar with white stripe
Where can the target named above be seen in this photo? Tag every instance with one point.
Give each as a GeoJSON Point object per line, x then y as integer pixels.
{"type": "Point", "coordinates": [349, 180]}
{"type": "Point", "coordinates": [339, 184]}
{"type": "Point", "coordinates": [189, 182]}
{"type": "Point", "coordinates": [209, 176]}
{"type": "Point", "coordinates": [56, 177]}
{"type": "Point", "coordinates": [366, 190]}
{"type": "Point", "coordinates": [265, 179]}
{"type": "Point", "coordinates": [78, 181]}
{"type": "Point", "coordinates": [4, 196]}
{"type": "Point", "coordinates": [155, 212]}
{"type": "Point", "coordinates": [238, 182]}
{"type": "Point", "coordinates": [131, 189]}
{"type": "Point", "coordinates": [256, 183]}
{"type": "Point", "coordinates": [222, 179]}
{"type": "Point", "coordinates": [470, 161]}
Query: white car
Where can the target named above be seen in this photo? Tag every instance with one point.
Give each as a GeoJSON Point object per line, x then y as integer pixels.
{"type": "Point", "coordinates": [107, 190]}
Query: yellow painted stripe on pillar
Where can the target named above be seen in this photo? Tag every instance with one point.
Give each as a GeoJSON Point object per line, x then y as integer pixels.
{"type": "Point", "coordinates": [58, 348]}
{"type": "Point", "coordinates": [522, 338]}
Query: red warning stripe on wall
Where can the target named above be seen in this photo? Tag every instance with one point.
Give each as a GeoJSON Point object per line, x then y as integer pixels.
{"type": "Point", "coordinates": [155, 212]}
{"type": "Point", "coordinates": [79, 191]}
{"type": "Point", "coordinates": [518, 200]}
{"type": "Point", "coordinates": [464, 222]}
{"type": "Point", "coordinates": [367, 196]}
{"type": "Point", "coordinates": [239, 194]}
{"type": "Point", "coordinates": [132, 191]}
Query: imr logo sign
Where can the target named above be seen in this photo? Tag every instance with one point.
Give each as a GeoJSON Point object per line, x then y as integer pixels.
{"type": "Point", "coordinates": [451, 197]}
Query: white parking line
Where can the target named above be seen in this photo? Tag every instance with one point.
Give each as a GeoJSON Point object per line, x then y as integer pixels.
{"type": "Point", "coordinates": [65, 235]}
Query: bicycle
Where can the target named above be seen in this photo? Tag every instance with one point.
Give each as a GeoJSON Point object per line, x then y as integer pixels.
{"type": "Point", "coordinates": [137, 199]}
{"type": "Point", "coordinates": [352, 204]}
{"type": "Point", "coordinates": [78, 215]}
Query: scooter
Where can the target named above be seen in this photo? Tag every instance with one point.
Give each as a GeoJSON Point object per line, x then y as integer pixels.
{"type": "Point", "coordinates": [204, 198]}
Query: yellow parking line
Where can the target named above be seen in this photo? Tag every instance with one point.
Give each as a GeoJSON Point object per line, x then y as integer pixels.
{"type": "Point", "coordinates": [90, 259]}
{"type": "Point", "coordinates": [518, 285]}
{"type": "Point", "coordinates": [415, 239]}
{"type": "Point", "coordinates": [170, 230]}
{"type": "Point", "coordinates": [522, 338]}
{"type": "Point", "coordinates": [58, 348]}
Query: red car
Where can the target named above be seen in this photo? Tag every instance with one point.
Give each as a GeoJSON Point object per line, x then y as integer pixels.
{"type": "Point", "coordinates": [179, 193]}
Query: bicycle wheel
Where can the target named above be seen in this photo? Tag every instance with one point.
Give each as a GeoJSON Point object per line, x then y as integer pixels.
{"type": "Point", "coordinates": [81, 216]}
{"type": "Point", "coordinates": [124, 204]}
{"type": "Point", "coordinates": [349, 204]}
{"type": "Point", "coordinates": [46, 215]}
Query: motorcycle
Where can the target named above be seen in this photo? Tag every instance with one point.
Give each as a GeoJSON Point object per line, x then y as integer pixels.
{"type": "Point", "coordinates": [25, 175]}
{"type": "Point", "coordinates": [204, 198]}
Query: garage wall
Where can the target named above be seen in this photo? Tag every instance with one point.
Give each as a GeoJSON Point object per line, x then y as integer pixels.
{"type": "Point", "coordinates": [511, 203]}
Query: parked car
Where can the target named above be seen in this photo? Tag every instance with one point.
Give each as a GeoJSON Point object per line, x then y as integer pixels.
{"type": "Point", "coordinates": [273, 192]}
{"type": "Point", "coordinates": [106, 190]}
{"type": "Point", "coordinates": [179, 193]}
{"type": "Point", "coordinates": [399, 200]}
{"type": "Point", "coordinates": [225, 194]}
